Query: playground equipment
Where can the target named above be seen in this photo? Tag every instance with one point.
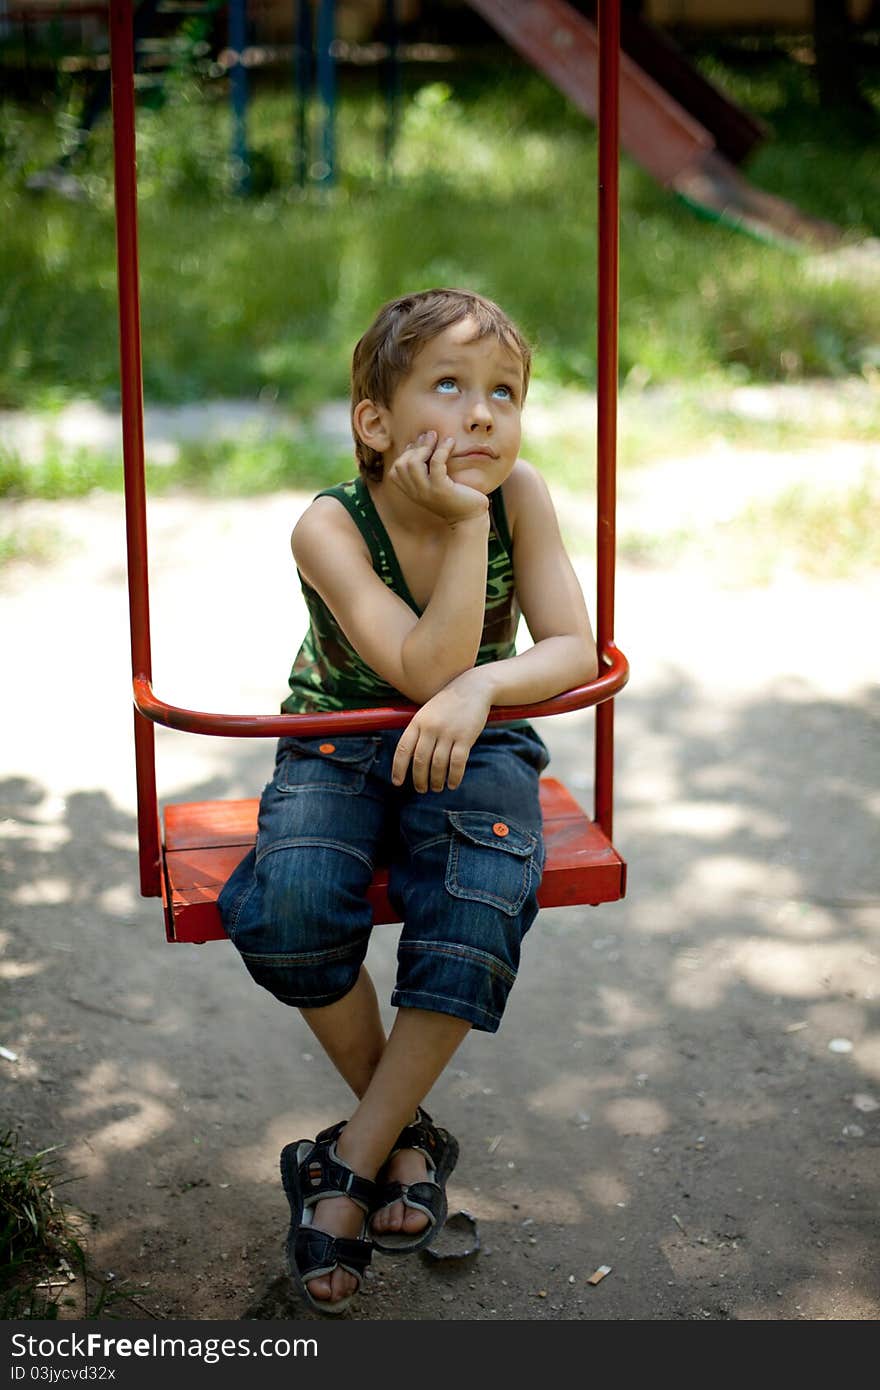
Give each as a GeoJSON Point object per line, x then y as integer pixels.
{"type": "Point", "coordinates": [673, 145]}
{"type": "Point", "coordinates": [204, 841]}
{"type": "Point", "coordinates": [680, 128]}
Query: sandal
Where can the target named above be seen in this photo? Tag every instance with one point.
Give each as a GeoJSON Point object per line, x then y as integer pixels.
{"type": "Point", "coordinates": [311, 1170]}
{"type": "Point", "coordinates": [440, 1150]}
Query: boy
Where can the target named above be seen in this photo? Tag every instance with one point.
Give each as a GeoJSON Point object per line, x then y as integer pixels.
{"type": "Point", "coordinates": [414, 575]}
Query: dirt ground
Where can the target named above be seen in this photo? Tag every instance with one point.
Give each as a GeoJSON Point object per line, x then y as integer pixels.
{"type": "Point", "coordinates": [686, 1086]}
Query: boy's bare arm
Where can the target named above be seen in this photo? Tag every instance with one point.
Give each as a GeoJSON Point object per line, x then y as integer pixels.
{"type": "Point", "coordinates": [417, 655]}
{"type": "Point", "coordinates": [438, 739]}
{"type": "Point", "coordinates": [564, 654]}
{"type": "Point", "coordinates": [446, 639]}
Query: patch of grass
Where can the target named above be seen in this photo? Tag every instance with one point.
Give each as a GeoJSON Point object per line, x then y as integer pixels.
{"type": "Point", "coordinates": [36, 1234]}
{"type": "Point", "coordinates": [822, 535]}
{"type": "Point", "coordinates": [241, 468]}
{"type": "Point", "coordinates": [559, 438]}
{"type": "Point", "coordinates": [59, 473]}
{"type": "Point", "coordinates": [823, 160]}
{"type": "Point", "coordinates": [674, 422]}
{"type": "Point", "coordinates": [829, 537]}
{"type": "Point", "coordinates": [237, 467]}
{"type": "Point", "coordinates": [668, 423]}
{"type": "Point", "coordinates": [36, 545]}
{"type": "Point", "coordinates": [41, 1255]}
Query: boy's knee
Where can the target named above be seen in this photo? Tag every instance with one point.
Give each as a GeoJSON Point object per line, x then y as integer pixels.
{"type": "Point", "coordinates": [306, 980]}
{"type": "Point", "coordinates": [303, 928]}
{"type": "Point", "coordinates": [313, 893]}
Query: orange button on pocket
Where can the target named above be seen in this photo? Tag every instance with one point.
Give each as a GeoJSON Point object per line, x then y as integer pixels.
{"type": "Point", "coordinates": [499, 828]}
{"type": "Point", "coordinates": [327, 748]}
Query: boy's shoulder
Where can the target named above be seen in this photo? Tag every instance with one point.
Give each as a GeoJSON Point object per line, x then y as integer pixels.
{"type": "Point", "coordinates": [326, 519]}
{"type": "Point", "coordinates": [523, 489]}
{"type": "Point", "coordinates": [337, 501]}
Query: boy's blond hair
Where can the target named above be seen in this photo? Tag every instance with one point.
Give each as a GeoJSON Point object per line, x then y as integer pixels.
{"type": "Point", "coordinates": [402, 327]}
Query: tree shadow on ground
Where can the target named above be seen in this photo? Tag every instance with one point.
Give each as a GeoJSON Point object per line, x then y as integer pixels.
{"type": "Point", "coordinates": [661, 1099]}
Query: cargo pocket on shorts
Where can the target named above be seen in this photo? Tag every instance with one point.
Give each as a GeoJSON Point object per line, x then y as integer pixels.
{"type": "Point", "coordinates": [490, 860]}
{"type": "Point", "coordinates": [324, 765]}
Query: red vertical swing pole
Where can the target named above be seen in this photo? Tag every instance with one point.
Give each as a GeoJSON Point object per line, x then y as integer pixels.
{"type": "Point", "coordinates": [609, 154]}
{"type": "Point", "coordinates": [125, 177]}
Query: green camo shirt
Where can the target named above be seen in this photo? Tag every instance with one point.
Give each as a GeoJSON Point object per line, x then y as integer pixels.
{"type": "Point", "coordinates": [328, 674]}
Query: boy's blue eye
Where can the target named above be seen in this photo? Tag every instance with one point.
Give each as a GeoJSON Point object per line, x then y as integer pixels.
{"type": "Point", "coordinates": [447, 384]}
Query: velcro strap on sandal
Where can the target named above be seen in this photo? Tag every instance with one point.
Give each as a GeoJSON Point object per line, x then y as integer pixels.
{"type": "Point", "coordinates": [426, 1197]}
{"type": "Point", "coordinates": [332, 1132]}
{"type": "Point", "coordinates": [324, 1175]}
{"type": "Point", "coordinates": [319, 1253]}
{"type": "Point", "coordinates": [353, 1255]}
{"type": "Point", "coordinates": [423, 1136]}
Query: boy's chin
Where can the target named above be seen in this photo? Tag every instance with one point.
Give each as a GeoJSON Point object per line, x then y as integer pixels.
{"type": "Point", "coordinates": [468, 478]}
{"type": "Point", "coordinates": [480, 479]}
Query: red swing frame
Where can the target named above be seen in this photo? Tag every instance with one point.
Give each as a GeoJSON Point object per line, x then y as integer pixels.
{"type": "Point", "coordinates": [204, 840]}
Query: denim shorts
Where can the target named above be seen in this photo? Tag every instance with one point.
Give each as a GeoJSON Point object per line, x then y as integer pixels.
{"type": "Point", "coordinates": [465, 866]}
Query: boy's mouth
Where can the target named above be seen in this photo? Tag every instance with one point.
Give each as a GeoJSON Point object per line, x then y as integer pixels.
{"type": "Point", "coordinates": [477, 452]}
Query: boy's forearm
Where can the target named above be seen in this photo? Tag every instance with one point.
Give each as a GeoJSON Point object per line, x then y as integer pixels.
{"type": "Point", "coordinates": [546, 669]}
{"type": "Point", "coordinates": [446, 639]}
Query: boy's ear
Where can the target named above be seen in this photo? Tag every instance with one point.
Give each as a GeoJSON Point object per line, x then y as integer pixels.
{"type": "Point", "coordinates": [372, 426]}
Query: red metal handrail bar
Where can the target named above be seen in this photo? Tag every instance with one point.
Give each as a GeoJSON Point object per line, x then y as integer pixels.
{"type": "Point", "coordinates": [362, 721]}
{"type": "Point", "coordinates": [121, 28]}
{"type": "Point", "coordinates": [149, 709]}
{"type": "Point", "coordinates": [606, 387]}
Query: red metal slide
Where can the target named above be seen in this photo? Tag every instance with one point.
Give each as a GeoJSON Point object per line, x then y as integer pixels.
{"type": "Point", "coordinates": [655, 130]}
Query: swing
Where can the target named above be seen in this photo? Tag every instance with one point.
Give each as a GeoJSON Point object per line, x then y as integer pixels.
{"type": "Point", "coordinates": [204, 841]}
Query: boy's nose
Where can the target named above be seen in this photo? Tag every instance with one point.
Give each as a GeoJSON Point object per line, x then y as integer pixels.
{"type": "Point", "coordinates": [480, 416]}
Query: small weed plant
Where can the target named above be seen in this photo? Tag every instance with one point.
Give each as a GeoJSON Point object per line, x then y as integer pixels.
{"type": "Point", "coordinates": [42, 1259]}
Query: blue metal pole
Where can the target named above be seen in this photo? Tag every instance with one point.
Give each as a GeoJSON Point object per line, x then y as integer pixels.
{"type": "Point", "coordinates": [302, 81]}
{"type": "Point", "coordinates": [327, 89]}
{"type": "Point", "coordinates": [239, 93]}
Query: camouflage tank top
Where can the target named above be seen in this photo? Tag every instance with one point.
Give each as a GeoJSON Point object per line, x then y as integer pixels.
{"type": "Point", "coordinates": [328, 674]}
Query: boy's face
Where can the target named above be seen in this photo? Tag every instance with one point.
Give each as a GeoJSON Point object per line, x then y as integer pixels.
{"type": "Point", "coordinates": [467, 388]}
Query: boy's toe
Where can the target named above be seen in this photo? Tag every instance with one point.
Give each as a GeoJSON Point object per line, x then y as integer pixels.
{"type": "Point", "coordinates": [320, 1287]}
{"type": "Point", "coordinates": [390, 1218]}
{"type": "Point", "coordinates": [342, 1284]}
{"type": "Point", "coordinates": [413, 1221]}
{"type": "Point", "coordinates": [394, 1215]}
{"type": "Point", "coordinates": [399, 1217]}
{"type": "Point", "coordinates": [330, 1288]}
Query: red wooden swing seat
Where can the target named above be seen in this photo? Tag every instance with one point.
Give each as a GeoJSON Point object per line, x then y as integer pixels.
{"type": "Point", "coordinates": [205, 840]}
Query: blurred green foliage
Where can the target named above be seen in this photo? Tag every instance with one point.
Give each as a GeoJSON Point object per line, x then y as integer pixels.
{"type": "Point", "coordinates": [493, 188]}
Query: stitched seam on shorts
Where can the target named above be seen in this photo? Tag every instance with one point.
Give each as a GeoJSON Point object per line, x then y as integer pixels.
{"type": "Point", "coordinates": [504, 846]}
{"type": "Point", "coordinates": [445, 998]}
{"type": "Point", "coordinates": [300, 752]}
{"type": "Point", "coordinates": [294, 789]}
{"type": "Point", "coordinates": [240, 904]}
{"type": "Point", "coordinates": [296, 841]}
{"type": "Point", "coordinates": [510, 906]}
{"type": "Point", "coordinates": [349, 950]}
{"type": "Point", "coordinates": [301, 1001]}
{"type": "Point", "coordinates": [352, 773]}
{"type": "Point", "coordinates": [459, 952]}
